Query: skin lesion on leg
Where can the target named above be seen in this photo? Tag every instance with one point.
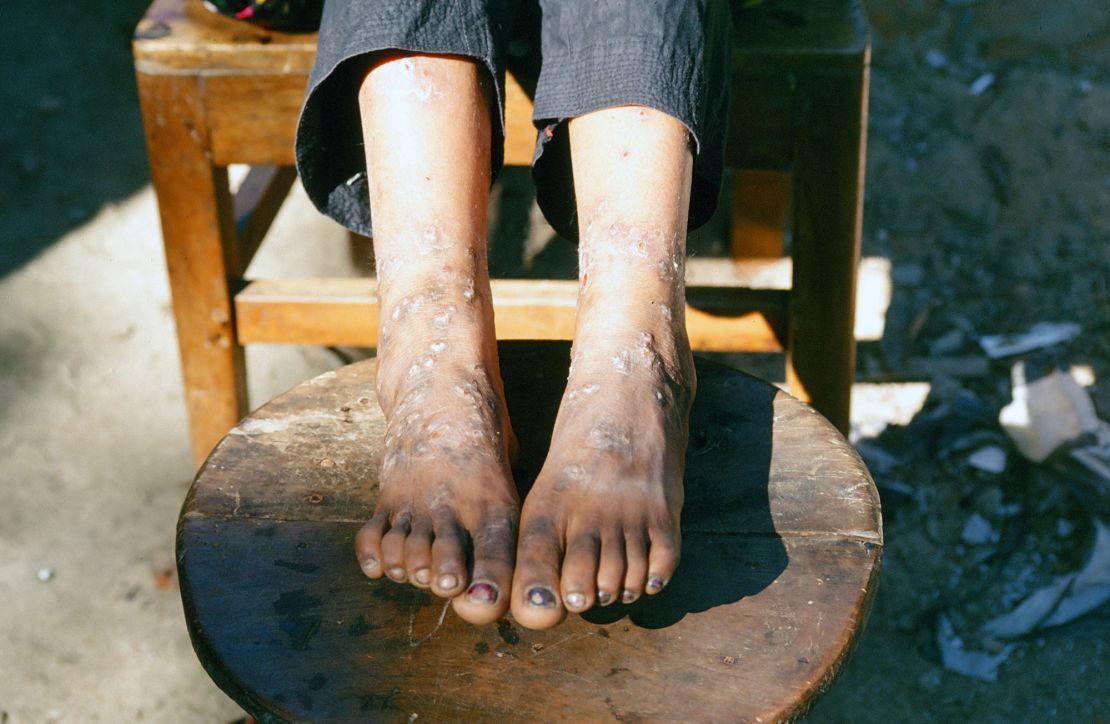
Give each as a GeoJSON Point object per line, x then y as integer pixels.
{"type": "Point", "coordinates": [601, 522]}
{"type": "Point", "coordinates": [447, 506]}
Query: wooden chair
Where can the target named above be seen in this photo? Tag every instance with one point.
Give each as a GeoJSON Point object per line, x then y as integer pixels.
{"type": "Point", "coordinates": [782, 537]}
{"type": "Point", "coordinates": [216, 92]}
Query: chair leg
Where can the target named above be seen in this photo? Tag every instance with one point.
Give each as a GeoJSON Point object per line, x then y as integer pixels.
{"type": "Point", "coordinates": [828, 218]}
{"type": "Point", "coordinates": [201, 255]}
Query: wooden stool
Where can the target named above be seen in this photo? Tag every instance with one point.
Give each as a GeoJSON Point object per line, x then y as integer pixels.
{"type": "Point", "coordinates": [216, 92]}
{"type": "Point", "coordinates": [780, 558]}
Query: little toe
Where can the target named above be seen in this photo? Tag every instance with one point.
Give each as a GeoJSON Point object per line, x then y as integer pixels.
{"type": "Point", "coordinates": [448, 559]}
{"type": "Point", "coordinates": [579, 578]}
{"type": "Point", "coordinates": [662, 561]}
{"type": "Point", "coordinates": [536, 603]}
{"type": "Point", "coordinates": [393, 548]}
{"type": "Point", "coordinates": [368, 545]}
{"type": "Point", "coordinates": [487, 596]}
{"type": "Point", "coordinates": [418, 554]}
{"type": "Point", "coordinates": [611, 568]}
{"type": "Point", "coordinates": [635, 575]}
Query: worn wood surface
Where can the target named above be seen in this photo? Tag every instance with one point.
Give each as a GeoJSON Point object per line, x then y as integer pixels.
{"type": "Point", "coordinates": [782, 538]}
{"type": "Point", "coordinates": [338, 311]}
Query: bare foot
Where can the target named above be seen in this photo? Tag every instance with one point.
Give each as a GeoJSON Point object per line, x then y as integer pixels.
{"type": "Point", "coordinates": [601, 523]}
{"type": "Point", "coordinates": [447, 511]}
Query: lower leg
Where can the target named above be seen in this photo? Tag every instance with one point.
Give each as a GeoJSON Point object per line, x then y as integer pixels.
{"type": "Point", "coordinates": [602, 521]}
{"type": "Point", "coordinates": [447, 508]}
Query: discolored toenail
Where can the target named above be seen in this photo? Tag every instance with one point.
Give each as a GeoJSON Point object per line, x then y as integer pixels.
{"type": "Point", "coordinates": [397, 574]}
{"type": "Point", "coordinates": [540, 597]}
{"type": "Point", "coordinates": [655, 584]}
{"type": "Point", "coordinates": [604, 598]}
{"type": "Point", "coordinates": [423, 576]}
{"type": "Point", "coordinates": [370, 565]}
{"type": "Point", "coordinates": [575, 600]}
{"type": "Point", "coordinates": [447, 582]}
{"type": "Point", "coordinates": [628, 597]}
{"type": "Point", "coordinates": [482, 592]}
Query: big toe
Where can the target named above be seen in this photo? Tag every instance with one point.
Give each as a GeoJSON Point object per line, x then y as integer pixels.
{"type": "Point", "coordinates": [536, 603]}
{"type": "Point", "coordinates": [486, 598]}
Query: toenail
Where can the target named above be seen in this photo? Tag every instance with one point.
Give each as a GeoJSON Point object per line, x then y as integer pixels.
{"type": "Point", "coordinates": [423, 576]}
{"type": "Point", "coordinates": [397, 574]}
{"type": "Point", "coordinates": [370, 565]}
{"type": "Point", "coordinates": [604, 598]}
{"type": "Point", "coordinates": [540, 597]}
{"type": "Point", "coordinates": [628, 597]}
{"type": "Point", "coordinates": [448, 582]}
{"type": "Point", "coordinates": [656, 584]}
{"type": "Point", "coordinates": [575, 600]}
{"type": "Point", "coordinates": [482, 593]}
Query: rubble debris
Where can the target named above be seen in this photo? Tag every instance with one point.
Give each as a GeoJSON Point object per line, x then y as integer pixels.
{"type": "Point", "coordinates": [981, 84]}
{"type": "Point", "coordinates": [1063, 600]}
{"type": "Point", "coordinates": [45, 575]}
{"type": "Point", "coordinates": [1039, 336]}
{"type": "Point", "coordinates": [1047, 413]}
{"type": "Point", "coordinates": [935, 59]}
{"type": "Point", "coordinates": [989, 459]}
{"type": "Point", "coordinates": [978, 531]}
{"type": "Point", "coordinates": [976, 664]}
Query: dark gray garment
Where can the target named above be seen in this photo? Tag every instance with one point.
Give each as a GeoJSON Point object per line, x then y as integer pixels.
{"type": "Point", "coordinates": [577, 55]}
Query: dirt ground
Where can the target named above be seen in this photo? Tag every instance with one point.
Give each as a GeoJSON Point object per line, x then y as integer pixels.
{"type": "Point", "coordinates": [988, 190]}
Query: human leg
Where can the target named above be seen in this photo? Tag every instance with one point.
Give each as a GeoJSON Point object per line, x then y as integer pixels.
{"type": "Point", "coordinates": [602, 520]}
{"type": "Point", "coordinates": [447, 509]}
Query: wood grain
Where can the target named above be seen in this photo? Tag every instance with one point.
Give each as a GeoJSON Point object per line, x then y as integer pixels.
{"type": "Point", "coordinates": [782, 539]}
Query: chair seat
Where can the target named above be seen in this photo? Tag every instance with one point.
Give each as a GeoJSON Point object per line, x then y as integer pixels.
{"type": "Point", "coordinates": [782, 538]}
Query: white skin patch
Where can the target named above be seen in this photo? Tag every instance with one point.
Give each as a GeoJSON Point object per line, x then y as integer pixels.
{"type": "Point", "coordinates": [609, 435]}
{"type": "Point", "coordinates": [583, 391]}
{"type": "Point", "coordinates": [468, 291]}
{"type": "Point", "coordinates": [622, 361]}
{"type": "Point", "coordinates": [438, 347]}
{"type": "Point", "coordinates": [443, 318]}
{"type": "Point", "coordinates": [574, 472]}
{"type": "Point", "coordinates": [431, 241]}
{"type": "Point", "coordinates": [665, 312]}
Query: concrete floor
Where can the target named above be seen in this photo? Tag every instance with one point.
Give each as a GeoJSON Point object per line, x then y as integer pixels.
{"type": "Point", "coordinates": [96, 464]}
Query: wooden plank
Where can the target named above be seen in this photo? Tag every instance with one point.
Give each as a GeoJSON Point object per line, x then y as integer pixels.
{"type": "Point", "coordinates": [344, 312]}
{"type": "Point", "coordinates": [194, 203]}
{"type": "Point", "coordinates": [256, 203]}
{"type": "Point", "coordinates": [828, 216]}
{"type": "Point", "coordinates": [520, 134]}
{"type": "Point", "coordinates": [749, 629]}
{"type": "Point", "coordinates": [781, 546]}
{"type": "Point", "coordinates": [759, 213]}
{"type": "Point", "coordinates": [182, 37]}
{"type": "Point", "coordinates": [253, 119]}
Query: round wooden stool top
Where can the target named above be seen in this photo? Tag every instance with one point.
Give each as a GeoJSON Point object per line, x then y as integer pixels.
{"type": "Point", "coordinates": [781, 535]}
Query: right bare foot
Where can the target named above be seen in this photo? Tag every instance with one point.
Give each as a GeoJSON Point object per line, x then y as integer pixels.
{"type": "Point", "coordinates": [447, 510]}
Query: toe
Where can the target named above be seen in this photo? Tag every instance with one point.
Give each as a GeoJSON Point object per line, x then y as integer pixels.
{"type": "Point", "coordinates": [487, 596]}
{"type": "Point", "coordinates": [580, 570]}
{"type": "Point", "coordinates": [610, 571]}
{"type": "Point", "coordinates": [393, 547]}
{"type": "Point", "coordinates": [536, 603]}
{"type": "Point", "coordinates": [662, 561]}
{"type": "Point", "coordinates": [418, 554]}
{"type": "Point", "coordinates": [448, 559]}
{"type": "Point", "coordinates": [635, 574]}
{"type": "Point", "coordinates": [368, 545]}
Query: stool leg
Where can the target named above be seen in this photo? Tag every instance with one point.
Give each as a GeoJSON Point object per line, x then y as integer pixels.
{"type": "Point", "coordinates": [194, 202]}
{"type": "Point", "coordinates": [828, 217]}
